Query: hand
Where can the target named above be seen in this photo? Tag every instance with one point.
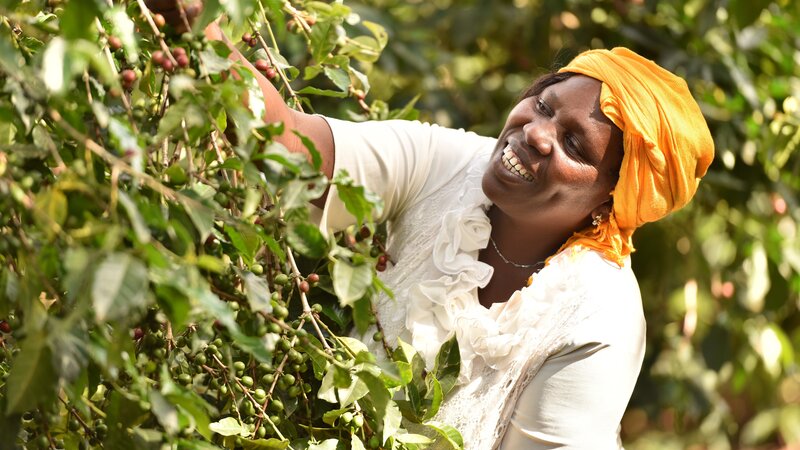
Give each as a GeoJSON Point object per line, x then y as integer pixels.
{"type": "Point", "coordinates": [171, 11]}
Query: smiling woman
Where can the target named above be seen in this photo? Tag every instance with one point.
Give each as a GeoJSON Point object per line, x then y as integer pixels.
{"type": "Point", "coordinates": [518, 246]}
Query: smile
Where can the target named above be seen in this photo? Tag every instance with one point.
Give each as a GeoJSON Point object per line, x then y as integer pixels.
{"type": "Point", "coordinates": [512, 163]}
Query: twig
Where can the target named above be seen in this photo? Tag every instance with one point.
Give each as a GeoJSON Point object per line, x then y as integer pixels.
{"type": "Point", "coordinates": [282, 75]}
{"type": "Point", "coordinates": [77, 416]}
{"type": "Point", "coordinates": [298, 277]}
{"type": "Point", "coordinates": [149, 18]}
{"type": "Point", "coordinates": [100, 151]}
{"type": "Point", "coordinates": [106, 51]}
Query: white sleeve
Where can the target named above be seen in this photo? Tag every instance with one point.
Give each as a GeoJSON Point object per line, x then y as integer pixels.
{"type": "Point", "coordinates": [400, 161]}
{"type": "Point", "coordinates": [578, 397]}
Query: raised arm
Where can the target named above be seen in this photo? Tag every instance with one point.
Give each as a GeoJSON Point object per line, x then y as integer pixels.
{"type": "Point", "coordinates": [276, 110]}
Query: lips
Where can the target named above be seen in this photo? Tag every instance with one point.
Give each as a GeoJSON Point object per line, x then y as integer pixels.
{"type": "Point", "coordinates": [512, 162]}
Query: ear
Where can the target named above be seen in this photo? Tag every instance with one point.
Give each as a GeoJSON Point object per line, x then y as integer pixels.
{"type": "Point", "coordinates": [604, 210]}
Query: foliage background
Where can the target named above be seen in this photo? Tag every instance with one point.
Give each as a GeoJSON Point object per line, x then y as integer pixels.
{"type": "Point", "coordinates": [720, 279]}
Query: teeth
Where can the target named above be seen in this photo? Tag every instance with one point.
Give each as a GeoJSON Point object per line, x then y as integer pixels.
{"type": "Point", "coordinates": [513, 164]}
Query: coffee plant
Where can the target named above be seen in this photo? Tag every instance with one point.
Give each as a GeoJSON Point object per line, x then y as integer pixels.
{"type": "Point", "coordinates": [161, 284]}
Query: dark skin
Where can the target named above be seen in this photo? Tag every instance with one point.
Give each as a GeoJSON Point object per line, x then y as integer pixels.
{"type": "Point", "coordinates": [572, 153]}
{"type": "Point", "coordinates": [569, 149]}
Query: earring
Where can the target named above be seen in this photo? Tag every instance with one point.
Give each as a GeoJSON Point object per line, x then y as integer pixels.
{"type": "Point", "coordinates": [597, 220]}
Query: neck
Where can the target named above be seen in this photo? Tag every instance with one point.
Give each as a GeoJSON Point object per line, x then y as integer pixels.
{"type": "Point", "coordinates": [523, 242]}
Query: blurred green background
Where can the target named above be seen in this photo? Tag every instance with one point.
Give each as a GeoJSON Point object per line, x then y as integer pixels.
{"type": "Point", "coordinates": [720, 279]}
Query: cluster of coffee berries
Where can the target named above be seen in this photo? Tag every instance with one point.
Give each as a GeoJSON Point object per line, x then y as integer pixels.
{"type": "Point", "coordinates": [263, 66]}
{"type": "Point", "coordinates": [159, 58]}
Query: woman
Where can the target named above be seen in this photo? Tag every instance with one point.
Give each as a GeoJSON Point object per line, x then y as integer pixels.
{"type": "Point", "coordinates": [519, 245]}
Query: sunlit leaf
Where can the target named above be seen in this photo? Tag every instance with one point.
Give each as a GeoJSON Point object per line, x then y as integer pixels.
{"type": "Point", "coordinates": [120, 284]}
{"type": "Point", "coordinates": [32, 378]}
{"type": "Point", "coordinates": [229, 426]}
{"type": "Point", "coordinates": [451, 435]}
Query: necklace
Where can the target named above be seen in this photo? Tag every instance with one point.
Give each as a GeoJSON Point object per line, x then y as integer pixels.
{"type": "Point", "coordinates": [505, 260]}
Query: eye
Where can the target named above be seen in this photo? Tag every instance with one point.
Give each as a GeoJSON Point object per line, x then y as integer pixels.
{"type": "Point", "coordinates": [543, 108]}
{"type": "Point", "coordinates": [573, 146]}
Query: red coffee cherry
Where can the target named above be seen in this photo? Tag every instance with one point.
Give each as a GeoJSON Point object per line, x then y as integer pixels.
{"type": "Point", "coordinates": [182, 60]}
{"type": "Point", "coordinates": [157, 57]}
{"type": "Point", "coordinates": [313, 278]}
{"type": "Point", "coordinates": [114, 43]}
{"type": "Point", "coordinates": [167, 65]}
{"type": "Point", "coordinates": [159, 20]}
{"type": "Point", "coordinates": [246, 38]}
{"type": "Point", "coordinates": [177, 51]}
{"type": "Point", "coordinates": [128, 76]}
{"type": "Point", "coordinates": [304, 287]}
{"type": "Point", "coordinates": [261, 65]}
{"type": "Point", "coordinates": [5, 327]}
{"type": "Point", "coordinates": [271, 73]}
{"type": "Point", "coordinates": [138, 333]}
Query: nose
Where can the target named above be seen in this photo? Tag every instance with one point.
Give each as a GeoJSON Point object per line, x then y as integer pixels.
{"type": "Point", "coordinates": [541, 135]}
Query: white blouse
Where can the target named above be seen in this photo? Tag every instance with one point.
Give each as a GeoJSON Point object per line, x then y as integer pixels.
{"type": "Point", "coordinates": [553, 366]}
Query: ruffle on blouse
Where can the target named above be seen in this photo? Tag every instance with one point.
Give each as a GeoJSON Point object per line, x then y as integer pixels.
{"type": "Point", "coordinates": [438, 308]}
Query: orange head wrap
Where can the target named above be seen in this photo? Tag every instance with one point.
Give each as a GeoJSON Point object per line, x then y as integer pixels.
{"type": "Point", "coordinates": [667, 144]}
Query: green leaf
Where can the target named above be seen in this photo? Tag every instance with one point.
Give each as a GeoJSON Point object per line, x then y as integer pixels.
{"type": "Point", "coordinates": [120, 285]}
{"type": "Point", "coordinates": [323, 41]}
{"type": "Point", "coordinates": [378, 32]}
{"type": "Point", "coordinates": [123, 412]}
{"type": "Point", "coordinates": [55, 67]}
{"type": "Point", "coordinates": [191, 405]}
{"type": "Point", "coordinates": [238, 10]}
{"type": "Point", "coordinates": [50, 210]}
{"type": "Point", "coordinates": [257, 291]}
{"type": "Point", "coordinates": [362, 48]}
{"type": "Point", "coordinates": [398, 374]}
{"type": "Point", "coordinates": [350, 281]}
{"type": "Point", "coordinates": [359, 202]}
{"type": "Point", "coordinates": [391, 421]}
{"type": "Point", "coordinates": [165, 412]}
{"type": "Point", "coordinates": [264, 444]}
{"type": "Point", "coordinates": [202, 215]}
{"type": "Point", "coordinates": [221, 311]}
{"type": "Point", "coordinates": [447, 365]}
{"type": "Point", "coordinates": [328, 444]}
{"type": "Point", "coordinates": [123, 28]}
{"type": "Point", "coordinates": [215, 58]}
{"type": "Point", "coordinates": [339, 77]}
{"type": "Point", "coordinates": [77, 19]}
{"type": "Point", "coordinates": [331, 416]}
{"type": "Point", "coordinates": [362, 314]}
{"type": "Point", "coordinates": [307, 239]}
{"type": "Point", "coordinates": [410, 438]}
{"type": "Point", "coordinates": [245, 240]}
{"type": "Point", "coordinates": [316, 158]}
{"type": "Point", "coordinates": [313, 348]}
{"type": "Point", "coordinates": [32, 379]}
{"type": "Point", "coordinates": [137, 221]}
{"type": "Point", "coordinates": [433, 397]}
{"type": "Point", "coordinates": [297, 193]}
{"type": "Point", "coordinates": [356, 444]}
{"type": "Point", "coordinates": [450, 434]}
{"type": "Point", "coordinates": [311, 90]}
{"type": "Point", "coordinates": [229, 426]}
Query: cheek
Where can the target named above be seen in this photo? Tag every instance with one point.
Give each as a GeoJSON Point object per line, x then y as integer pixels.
{"type": "Point", "coordinates": [584, 184]}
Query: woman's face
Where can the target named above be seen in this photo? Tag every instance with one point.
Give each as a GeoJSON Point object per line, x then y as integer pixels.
{"type": "Point", "coordinates": [557, 158]}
